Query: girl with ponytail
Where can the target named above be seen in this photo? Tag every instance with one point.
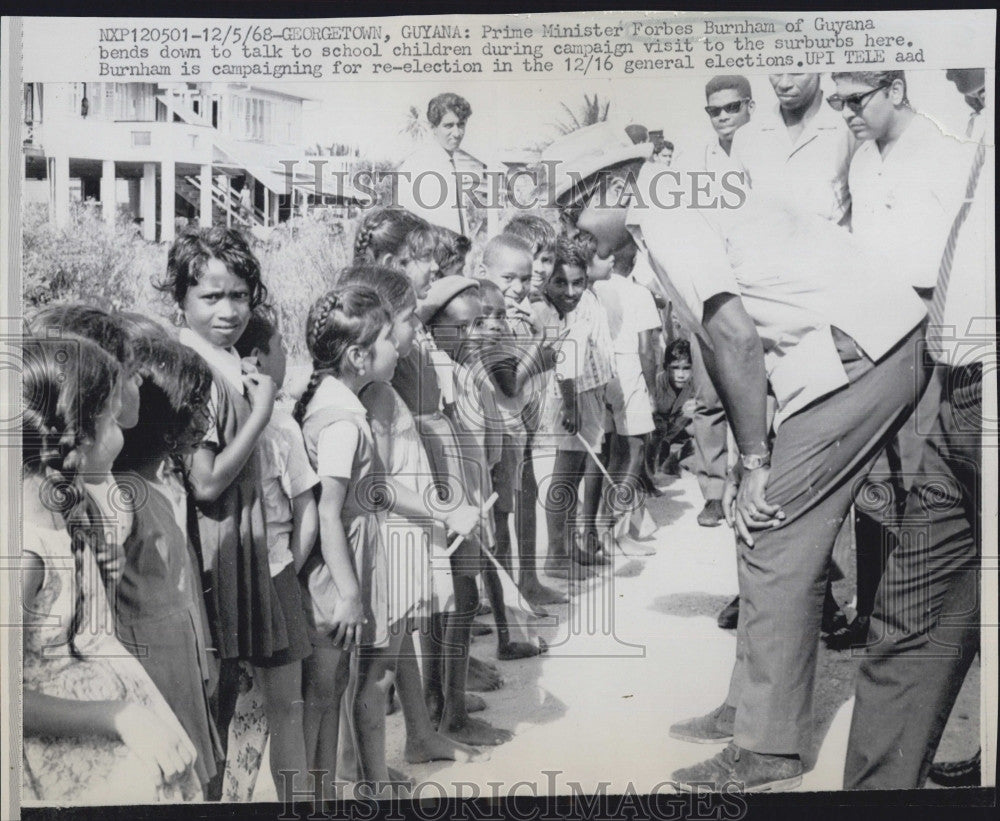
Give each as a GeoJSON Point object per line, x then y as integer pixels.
{"type": "Point", "coordinates": [396, 238]}
{"type": "Point", "coordinates": [95, 727]}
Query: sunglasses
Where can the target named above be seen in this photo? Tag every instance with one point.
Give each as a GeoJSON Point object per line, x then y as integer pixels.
{"type": "Point", "coordinates": [855, 102]}
{"type": "Point", "coordinates": [729, 108]}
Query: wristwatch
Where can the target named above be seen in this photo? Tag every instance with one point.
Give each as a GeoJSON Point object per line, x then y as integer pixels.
{"type": "Point", "coordinates": [753, 461]}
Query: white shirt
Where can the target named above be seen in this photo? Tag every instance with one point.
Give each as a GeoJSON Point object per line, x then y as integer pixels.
{"type": "Point", "coordinates": [904, 203]}
{"type": "Point", "coordinates": [432, 190]}
{"type": "Point", "coordinates": [810, 172]}
{"type": "Point", "coordinates": [337, 443]}
{"type": "Point", "coordinates": [797, 275]}
{"type": "Point", "coordinates": [285, 473]}
{"type": "Point", "coordinates": [630, 309]}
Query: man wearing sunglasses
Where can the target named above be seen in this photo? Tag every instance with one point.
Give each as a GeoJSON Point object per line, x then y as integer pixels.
{"type": "Point", "coordinates": [927, 613]}
{"type": "Point", "coordinates": [905, 179]}
{"type": "Point", "coordinates": [728, 104]}
{"type": "Point", "coordinates": [800, 150]}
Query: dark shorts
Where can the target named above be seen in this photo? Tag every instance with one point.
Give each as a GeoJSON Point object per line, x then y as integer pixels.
{"type": "Point", "coordinates": [286, 585]}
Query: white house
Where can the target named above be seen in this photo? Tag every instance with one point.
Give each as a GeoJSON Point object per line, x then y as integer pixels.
{"type": "Point", "coordinates": [218, 152]}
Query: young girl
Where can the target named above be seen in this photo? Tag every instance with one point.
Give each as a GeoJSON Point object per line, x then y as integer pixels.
{"type": "Point", "coordinates": [349, 334]}
{"type": "Point", "coordinates": [411, 538]}
{"type": "Point", "coordinates": [215, 280]}
{"type": "Point", "coordinates": [423, 380]}
{"type": "Point", "coordinates": [292, 522]}
{"type": "Point", "coordinates": [396, 238]}
{"type": "Point", "coordinates": [95, 728]}
{"type": "Point", "coordinates": [159, 609]}
{"type": "Point", "coordinates": [111, 333]}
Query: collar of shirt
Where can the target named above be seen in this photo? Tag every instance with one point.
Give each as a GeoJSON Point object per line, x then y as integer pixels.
{"type": "Point", "coordinates": [332, 391]}
{"type": "Point", "coordinates": [824, 119]}
{"type": "Point", "coordinates": [225, 360]}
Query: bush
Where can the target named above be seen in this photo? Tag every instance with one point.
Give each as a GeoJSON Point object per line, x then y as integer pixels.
{"type": "Point", "coordinates": [89, 261]}
{"type": "Point", "coordinates": [111, 266]}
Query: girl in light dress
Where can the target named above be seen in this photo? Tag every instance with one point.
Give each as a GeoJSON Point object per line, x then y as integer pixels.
{"type": "Point", "coordinates": [410, 541]}
{"type": "Point", "coordinates": [96, 730]}
{"type": "Point", "coordinates": [346, 580]}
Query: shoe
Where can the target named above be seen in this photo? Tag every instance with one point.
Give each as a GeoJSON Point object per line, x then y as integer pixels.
{"type": "Point", "coordinates": [711, 515]}
{"type": "Point", "coordinates": [715, 728]}
{"type": "Point", "coordinates": [854, 635]}
{"type": "Point", "coordinates": [747, 770]}
{"type": "Point", "coordinates": [967, 773]}
{"type": "Point", "coordinates": [729, 616]}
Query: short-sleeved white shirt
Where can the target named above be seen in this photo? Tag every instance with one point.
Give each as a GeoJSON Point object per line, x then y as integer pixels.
{"type": "Point", "coordinates": [285, 473]}
{"type": "Point", "coordinates": [797, 275]}
{"type": "Point", "coordinates": [630, 309]}
{"type": "Point", "coordinates": [809, 173]}
{"type": "Point", "coordinates": [904, 203]}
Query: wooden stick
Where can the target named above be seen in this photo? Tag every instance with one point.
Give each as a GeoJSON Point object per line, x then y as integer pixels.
{"type": "Point", "coordinates": [457, 543]}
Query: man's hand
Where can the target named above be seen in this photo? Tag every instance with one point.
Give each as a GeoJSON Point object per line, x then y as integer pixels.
{"type": "Point", "coordinates": [744, 503]}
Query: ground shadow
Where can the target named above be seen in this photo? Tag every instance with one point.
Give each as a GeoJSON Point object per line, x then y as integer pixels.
{"type": "Point", "coordinates": [689, 605]}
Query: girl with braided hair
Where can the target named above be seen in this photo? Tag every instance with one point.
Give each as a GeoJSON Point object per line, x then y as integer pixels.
{"type": "Point", "coordinates": [396, 238]}
{"type": "Point", "coordinates": [95, 727]}
{"type": "Point", "coordinates": [349, 333]}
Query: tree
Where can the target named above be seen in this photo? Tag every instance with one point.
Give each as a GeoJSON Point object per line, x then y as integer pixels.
{"type": "Point", "coordinates": [416, 127]}
{"type": "Point", "coordinates": [591, 112]}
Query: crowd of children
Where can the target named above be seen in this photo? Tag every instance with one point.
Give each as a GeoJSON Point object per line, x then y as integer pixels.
{"type": "Point", "coordinates": [248, 576]}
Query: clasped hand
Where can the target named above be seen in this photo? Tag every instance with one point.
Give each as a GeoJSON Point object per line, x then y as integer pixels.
{"type": "Point", "coordinates": [745, 505]}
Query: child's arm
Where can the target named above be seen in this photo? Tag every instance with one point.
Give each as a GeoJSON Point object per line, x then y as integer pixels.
{"type": "Point", "coordinates": [305, 527]}
{"type": "Point", "coordinates": [211, 473]}
{"type": "Point", "coordinates": [348, 614]}
{"type": "Point", "coordinates": [337, 447]}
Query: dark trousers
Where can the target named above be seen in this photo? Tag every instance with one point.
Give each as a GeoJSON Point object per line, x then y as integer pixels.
{"type": "Point", "coordinates": [708, 428]}
{"type": "Point", "coordinates": [819, 457]}
{"type": "Point", "coordinates": [925, 625]}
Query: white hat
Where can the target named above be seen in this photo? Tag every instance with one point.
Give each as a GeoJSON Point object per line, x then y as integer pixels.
{"type": "Point", "coordinates": [585, 152]}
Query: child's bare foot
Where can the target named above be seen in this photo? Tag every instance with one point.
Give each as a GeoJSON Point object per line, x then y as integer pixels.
{"type": "Point", "coordinates": [589, 558]}
{"type": "Point", "coordinates": [474, 703]}
{"type": "Point", "coordinates": [539, 595]}
{"type": "Point", "coordinates": [438, 747]}
{"type": "Point", "coordinates": [476, 732]}
{"type": "Point", "coordinates": [517, 650]}
{"type": "Point", "coordinates": [482, 681]}
{"type": "Point", "coordinates": [484, 666]}
{"type": "Point", "coordinates": [563, 568]}
{"type": "Point", "coordinates": [631, 547]}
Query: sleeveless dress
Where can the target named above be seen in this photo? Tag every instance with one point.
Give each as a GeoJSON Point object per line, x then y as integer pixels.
{"type": "Point", "coordinates": [84, 769]}
{"type": "Point", "coordinates": [362, 516]}
{"type": "Point", "coordinates": [410, 544]}
{"type": "Point", "coordinates": [160, 611]}
{"type": "Point", "coordinates": [417, 383]}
